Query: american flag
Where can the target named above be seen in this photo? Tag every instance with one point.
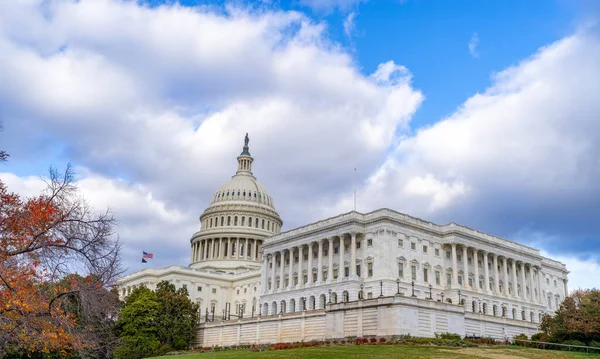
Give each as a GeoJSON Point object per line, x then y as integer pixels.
{"type": "Point", "coordinates": [147, 255]}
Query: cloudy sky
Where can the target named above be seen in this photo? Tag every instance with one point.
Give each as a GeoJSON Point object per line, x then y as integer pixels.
{"type": "Point", "coordinates": [486, 114]}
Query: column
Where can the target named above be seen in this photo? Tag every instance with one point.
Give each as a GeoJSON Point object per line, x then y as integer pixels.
{"type": "Point", "coordinates": [193, 259]}
{"type": "Point", "coordinates": [523, 284]}
{"type": "Point", "coordinates": [341, 265]}
{"type": "Point", "coordinates": [497, 275]}
{"type": "Point", "coordinates": [476, 267]}
{"type": "Point", "coordinates": [228, 248]}
{"type": "Point", "coordinates": [539, 275]}
{"type": "Point", "coordinates": [209, 249]}
{"type": "Point", "coordinates": [320, 262]}
{"type": "Point", "coordinates": [465, 268]}
{"type": "Point", "coordinates": [221, 248]}
{"type": "Point", "coordinates": [205, 249]}
{"type": "Point", "coordinates": [291, 269]}
{"type": "Point", "coordinates": [301, 266]}
{"type": "Point", "coordinates": [486, 272]}
{"type": "Point", "coordinates": [256, 249]}
{"type": "Point", "coordinates": [531, 289]}
{"type": "Point", "coordinates": [281, 266]}
{"type": "Point", "coordinates": [330, 260]}
{"type": "Point", "coordinates": [353, 254]}
{"type": "Point", "coordinates": [273, 272]}
{"type": "Point", "coordinates": [309, 269]}
{"type": "Point", "coordinates": [505, 276]}
{"type": "Point", "coordinates": [514, 277]}
{"type": "Point", "coordinates": [454, 266]}
{"type": "Point", "coordinates": [237, 249]}
{"type": "Point", "coordinates": [265, 279]}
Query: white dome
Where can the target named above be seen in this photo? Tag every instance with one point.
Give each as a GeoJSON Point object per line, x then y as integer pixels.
{"type": "Point", "coordinates": [243, 187]}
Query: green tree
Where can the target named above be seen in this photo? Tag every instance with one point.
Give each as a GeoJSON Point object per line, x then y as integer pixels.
{"type": "Point", "coordinates": [178, 317]}
{"type": "Point", "coordinates": [137, 325]}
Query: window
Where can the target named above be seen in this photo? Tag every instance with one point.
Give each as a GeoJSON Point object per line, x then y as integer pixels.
{"type": "Point", "coordinates": [238, 292]}
{"type": "Point", "coordinates": [314, 277]}
{"type": "Point", "coordinates": [358, 245]}
{"type": "Point", "coordinates": [369, 242]}
{"type": "Point", "coordinates": [214, 291]}
{"type": "Point", "coordinates": [425, 249]}
{"type": "Point", "coordinates": [370, 295]}
{"type": "Point", "coordinates": [549, 302]}
{"type": "Point", "coordinates": [336, 250]}
{"type": "Point", "coordinates": [324, 275]}
{"type": "Point", "coordinates": [480, 284]}
{"type": "Point", "coordinates": [547, 280]}
{"type": "Point", "coordinates": [437, 252]}
{"type": "Point", "coordinates": [425, 275]}
{"type": "Point", "coordinates": [370, 269]}
{"type": "Point", "coordinates": [413, 246]}
{"type": "Point", "coordinates": [295, 259]}
{"type": "Point", "coordinates": [479, 264]}
{"type": "Point", "coordinates": [229, 221]}
{"type": "Point", "coordinates": [306, 257]}
{"type": "Point", "coordinates": [437, 277]}
{"type": "Point", "coordinates": [401, 270]}
{"type": "Point", "coordinates": [448, 278]}
{"type": "Point", "coordinates": [413, 272]}
{"type": "Point", "coordinates": [255, 223]}
{"type": "Point", "coordinates": [263, 224]}
{"type": "Point", "coordinates": [244, 221]}
{"type": "Point", "coordinates": [324, 252]}
{"type": "Point", "coordinates": [245, 290]}
{"type": "Point", "coordinates": [199, 289]}
{"type": "Point", "coordinates": [460, 279]}
{"type": "Point", "coordinates": [556, 302]}
{"type": "Point", "coordinates": [358, 270]}
{"type": "Point", "coordinates": [469, 260]}
{"type": "Point", "coordinates": [400, 242]}
{"type": "Point", "coordinates": [185, 286]}
{"type": "Point", "coordinates": [335, 273]}
{"type": "Point", "coordinates": [304, 279]}
{"type": "Point", "coordinates": [459, 257]}
{"type": "Point", "coordinates": [287, 282]}
{"type": "Point", "coordinates": [447, 255]}
{"type": "Point", "coordinates": [555, 282]}
{"type": "Point", "coordinates": [346, 271]}
{"type": "Point", "coordinates": [346, 247]}
{"type": "Point", "coordinates": [471, 282]}
{"type": "Point", "coordinates": [296, 280]}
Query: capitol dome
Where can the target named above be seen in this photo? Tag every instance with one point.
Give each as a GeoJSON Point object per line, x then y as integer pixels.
{"type": "Point", "coordinates": [241, 215]}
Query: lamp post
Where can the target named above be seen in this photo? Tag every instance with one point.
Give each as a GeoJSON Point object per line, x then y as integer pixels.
{"type": "Point", "coordinates": [361, 294]}
{"type": "Point", "coordinates": [430, 293]}
{"type": "Point", "coordinates": [479, 305]}
{"type": "Point", "coordinates": [398, 285]}
{"type": "Point", "coordinates": [329, 296]}
{"type": "Point", "coordinates": [413, 288]}
{"type": "Point", "coordinates": [381, 288]}
{"type": "Point", "coordinates": [459, 297]}
{"type": "Point", "coordinates": [442, 294]}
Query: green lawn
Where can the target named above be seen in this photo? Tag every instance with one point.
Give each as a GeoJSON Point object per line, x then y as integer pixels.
{"type": "Point", "coordinates": [390, 351]}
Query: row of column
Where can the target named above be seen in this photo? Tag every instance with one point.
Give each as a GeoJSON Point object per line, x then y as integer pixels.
{"type": "Point", "coordinates": [274, 258]}
{"type": "Point", "coordinates": [226, 248]}
{"type": "Point", "coordinates": [534, 285]}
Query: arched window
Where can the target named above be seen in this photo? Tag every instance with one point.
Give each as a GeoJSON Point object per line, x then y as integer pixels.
{"type": "Point", "coordinates": [268, 225]}
{"type": "Point", "coordinates": [249, 222]}
{"type": "Point", "coordinates": [235, 221]}
{"type": "Point", "coordinates": [495, 309]}
{"type": "Point", "coordinates": [222, 221]}
{"type": "Point", "coordinates": [256, 225]}
{"type": "Point", "coordinates": [211, 223]}
{"type": "Point", "coordinates": [229, 221]}
{"type": "Point", "coordinates": [263, 224]}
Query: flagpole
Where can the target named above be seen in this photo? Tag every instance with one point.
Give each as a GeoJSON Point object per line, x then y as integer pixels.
{"type": "Point", "coordinates": [354, 188]}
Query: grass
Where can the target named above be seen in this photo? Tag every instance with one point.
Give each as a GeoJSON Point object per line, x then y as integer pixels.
{"type": "Point", "coordinates": [390, 351]}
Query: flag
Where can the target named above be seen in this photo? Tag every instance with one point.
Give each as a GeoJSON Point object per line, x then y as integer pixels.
{"type": "Point", "coordinates": [144, 261]}
{"type": "Point", "coordinates": [147, 255]}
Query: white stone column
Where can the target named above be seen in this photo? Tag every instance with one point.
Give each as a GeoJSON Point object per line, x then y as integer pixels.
{"type": "Point", "coordinates": [539, 275]}
{"type": "Point", "coordinates": [353, 255]}
{"type": "Point", "coordinates": [531, 288]}
{"type": "Point", "coordinates": [497, 275]}
{"type": "Point", "coordinates": [291, 269]}
{"type": "Point", "coordinates": [221, 248]}
{"type": "Point", "coordinates": [205, 249]}
{"type": "Point", "coordinates": [505, 276]}
{"type": "Point", "coordinates": [273, 271]}
{"type": "Point", "coordinates": [465, 268]}
{"type": "Point", "coordinates": [476, 270]}
{"type": "Point", "coordinates": [193, 256]}
{"type": "Point", "coordinates": [229, 248]}
{"type": "Point", "coordinates": [514, 279]}
{"type": "Point", "coordinates": [281, 272]}
{"type": "Point", "coordinates": [523, 284]}
{"type": "Point", "coordinates": [320, 262]}
{"type": "Point", "coordinates": [301, 266]}
{"type": "Point", "coordinates": [341, 261]}
{"type": "Point", "coordinates": [310, 258]}
{"type": "Point", "coordinates": [454, 266]}
{"type": "Point", "coordinates": [255, 249]}
{"type": "Point", "coordinates": [486, 272]}
{"type": "Point", "coordinates": [330, 260]}
{"type": "Point", "coordinates": [237, 248]}
{"type": "Point", "coordinates": [265, 278]}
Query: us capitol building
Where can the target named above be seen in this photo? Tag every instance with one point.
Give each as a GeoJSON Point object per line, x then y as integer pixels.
{"type": "Point", "coordinates": [356, 274]}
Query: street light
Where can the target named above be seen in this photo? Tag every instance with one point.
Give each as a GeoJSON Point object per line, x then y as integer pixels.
{"type": "Point", "coordinates": [413, 288]}
{"type": "Point", "coordinates": [459, 297]}
{"type": "Point", "coordinates": [362, 295]}
{"type": "Point", "coordinates": [398, 284]}
{"type": "Point", "coordinates": [430, 296]}
{"type": "Point", "coordinates": [442, 294]}
{"type": "Point", "coordinates": [381, 288]}
{"type": "Point", "coordinates": [479, 305]}
{"type": "Point", "coordinates": [329, 296]}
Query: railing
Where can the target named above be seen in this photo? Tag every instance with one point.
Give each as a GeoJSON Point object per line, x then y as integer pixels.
{"type": "Point", "coordinates": [556, 346]}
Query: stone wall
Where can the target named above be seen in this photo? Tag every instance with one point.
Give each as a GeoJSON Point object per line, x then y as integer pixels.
{"type": "Point", "coordinates": [384, 316]}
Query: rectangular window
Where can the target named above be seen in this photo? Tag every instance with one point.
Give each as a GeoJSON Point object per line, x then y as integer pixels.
{"type": "Point", "coordinates": [460, 279]}
{"type": "Point", "coordinates": [306, 257]}
{"type": "Point", "coordinates": [437, 252]}
{"type": "Point", "coordinates": [555, 282]}
{"type": "Point", "coordinates": [369, 242]}
{"type": "Point", "coordinates": [448, 279]}
{"type": "Point", "coordinates": [346, 271]}
{"type": "Point", "coordinates": [469, 260]}
{"type": "Point", "coordinates": [358, 270]}
{"type": "Point", "coordinates": [325, 252]}
{"type": "Point", "coordinates": [199, 289]}
{"type": "Point", "coordinates": [214, 291]}
{"type": "Point", "coordinates": [425, 249]}
{"type": "Point", "coordinates": [325, 275]}
{"type": "Point", "coordinates": [400, 242]}
{"type": "Point", "coordinates": [269, 285]}
{"type": "Point", "coordinates": [413, 272]}
{"type": "Point", "coordinates": [358, 245]}
{"type": "Point", "coordinates": [346, 247]}
{"type": "Point", "coordinates": [471, 282]}
{"type": "Point", "coordinates": [287, 282]}
{"type": "Point", "coordinates": [437, 277]}
{"type": "Point", "coordinates": [370, 295]}
{"type": "Point", "coordinates": [370, 269]}
{"type": "Point", "coordinates": [335, 273]}
{"type": "Point", "coordinates": [314, 277]}
{"type": "Point", "coordinates": [304, 279]}
{"type": "Point", "coordinates": [479, 264]}
{"type": "Point", "coordinates": [447, 255]}
{"type": "Point", "coordinates": [413, 246]}
{"type": "Point", "coordinates": [480, 284]}
{"type": "Point", "coordinates": [425, 275]}
{"type": "Point", "coordinates": [401, 270]}
{"type": "Point", "coordinates": [295, 259]}
{"type": "Point", "coordinates": [459, 257]}
{"type": "Point", "coordinates": [336, 250]}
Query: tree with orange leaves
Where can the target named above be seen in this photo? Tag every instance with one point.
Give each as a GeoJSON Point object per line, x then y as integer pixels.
{"type": "Point", "coordinates": [43, 240]}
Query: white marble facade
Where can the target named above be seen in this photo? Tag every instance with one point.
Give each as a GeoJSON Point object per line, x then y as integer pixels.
{"type": "Point", "coordinates": [384, 252]}
{"type": "Point", "coordinates": [352, 262]}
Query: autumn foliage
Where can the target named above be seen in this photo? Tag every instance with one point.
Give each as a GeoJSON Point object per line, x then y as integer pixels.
{"type": "Point", "coordinates": [43, 239]}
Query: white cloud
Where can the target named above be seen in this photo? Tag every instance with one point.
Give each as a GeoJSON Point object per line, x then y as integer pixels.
{"type": "Point", "coordinates": [329, 5]}
{"type": "Point", "coordinates": [583, 272]}
{"type": "Point", "coordinates": [473, 43]}
{"type": "Point", "coordinates": [349, 24]}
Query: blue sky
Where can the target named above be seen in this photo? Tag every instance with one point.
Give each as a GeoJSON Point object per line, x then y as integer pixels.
{"type": "Point", "coordinates": [482, 113]}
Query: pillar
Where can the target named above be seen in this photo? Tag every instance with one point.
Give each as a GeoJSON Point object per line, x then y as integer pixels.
{"type": "Point", "coordinates": [341, 265]}
{"type": "Point", "coordinates": [523, 284]}
{"type": "Point", "coordinates": [309, 269]}
{"type": "Point", "coordinates": [265, 278]}
{"type": "Point", "coordinates": [229, 248]}
{"type": "Point", "coordinates": [486, 272]}
{"type": "Point", "coordinates": [514, 278]}
{"type": "Point", "coordinates": [237, 249]}
{"type": "Point", "coordinates": [476, 270]}
{"type": "Point", "coordinates": [497, 275]}
{"type": "Point", "coordinates": [291, 269]}
{"type": "Point", "coordinates": [273, 272]}
{"type": "Point", "coordinates": [353, 254]}
{"type": "Point", "coordinates": [281, 273]}
{"type": "Point", "coordinates": [505, 275]}
{"type": "Point", "coordinates": [330, 260]}
{"type": "Point", "coordinates": [531, 288]}
{"type": "Point", "coordinates": [465, 268]}
{"type": "Point", "coordinates": [320, 261]}
{"type": "Point", "coordinates": [454, 266]}
{"type": "Point", "coordinates": [255, 249]}
{"type": "Point", "coordinates": [205, 249]}
{"type": "Point", "coordinates": [301, 266]}
{"type": "Point", "coordinates": [539, 275]}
